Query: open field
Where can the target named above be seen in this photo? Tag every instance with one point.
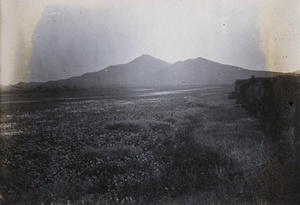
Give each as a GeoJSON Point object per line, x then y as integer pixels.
{"type": "Point", "coordinates": [169, 146]}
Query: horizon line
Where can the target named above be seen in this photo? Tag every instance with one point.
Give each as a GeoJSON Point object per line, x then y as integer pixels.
{"type": "Point", "coordinates": [10, 84]}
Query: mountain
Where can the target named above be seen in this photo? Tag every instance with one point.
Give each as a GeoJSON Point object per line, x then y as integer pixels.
{"type": "Point", "coordinates": [203, 71]}
{"type": "Point", "coordinates": [141, 71]}
{"type": "Point", "coordinates": [146, 71]}
{"type": "Point", "coordinates": [138, 72]}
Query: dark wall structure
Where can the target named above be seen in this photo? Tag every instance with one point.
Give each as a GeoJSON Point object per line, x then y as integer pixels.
{"type": "Point", "coordinates": [276, 103]}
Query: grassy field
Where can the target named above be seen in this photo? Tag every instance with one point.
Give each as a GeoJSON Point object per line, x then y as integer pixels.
{"type": "Point", "coordinates": [195, 146]}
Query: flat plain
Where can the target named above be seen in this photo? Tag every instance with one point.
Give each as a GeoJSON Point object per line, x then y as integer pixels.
{"type": "Point", "coordinates": [172, 145]}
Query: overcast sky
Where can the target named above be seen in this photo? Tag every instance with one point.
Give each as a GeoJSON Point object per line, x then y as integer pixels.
{"type": "Point", "coordinates": [48, 39]}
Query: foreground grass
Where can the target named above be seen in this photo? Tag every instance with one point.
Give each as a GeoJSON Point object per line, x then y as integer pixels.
{"type": "Point", "coordinates": [173, 149]}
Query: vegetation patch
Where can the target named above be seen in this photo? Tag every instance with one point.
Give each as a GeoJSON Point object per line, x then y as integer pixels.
{"type": "Point", "coordinates": [148, 151]}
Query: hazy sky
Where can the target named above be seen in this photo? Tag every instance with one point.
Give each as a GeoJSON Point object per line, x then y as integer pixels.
{"type": "Point", "coordinates": [44, 40]}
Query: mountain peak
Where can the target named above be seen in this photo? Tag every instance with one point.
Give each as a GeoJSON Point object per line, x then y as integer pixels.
{"type": "Point", "coordinates": [146, 55]}
{"type": "Point", "coordinates": [145, 58]}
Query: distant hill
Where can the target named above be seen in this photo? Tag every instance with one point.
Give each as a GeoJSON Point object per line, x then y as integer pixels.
{"type": "Point", "coordinates": [202, 71]}
{"type": "Point", "coordinates": [147, 71]}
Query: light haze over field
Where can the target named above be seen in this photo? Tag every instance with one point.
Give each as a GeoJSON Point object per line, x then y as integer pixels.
{"type": "Point", "coordinates": [45, 40]}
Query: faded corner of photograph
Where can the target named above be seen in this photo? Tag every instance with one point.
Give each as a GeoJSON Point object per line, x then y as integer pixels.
{"type": "Point", "coordinates": [149, 102]}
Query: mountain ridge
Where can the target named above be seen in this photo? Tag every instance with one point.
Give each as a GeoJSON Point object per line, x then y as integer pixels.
{"type": "Point", "coordinates": [148, 71]}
